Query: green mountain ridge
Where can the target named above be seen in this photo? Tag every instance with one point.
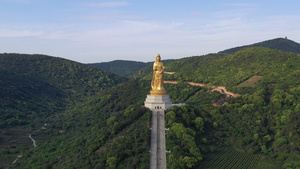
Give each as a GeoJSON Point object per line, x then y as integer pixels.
{"type": "Point", "coordinates": [103, 123]}
{"type": "Point", "coordinates": [281, 67]}
{"type": "Point", "coordinates": [59, 72]}
{"type": "Point", "coordinates": [138, 70]}
{"type": "Point", "coordinates": [283, 44]}
{"type": "Point", "coordinates": [124, 67]}
{"type": "Point", "coordinates": [121, 67]}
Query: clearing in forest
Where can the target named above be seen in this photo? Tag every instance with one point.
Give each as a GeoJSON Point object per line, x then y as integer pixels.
{"type": "Point", "coordinates": [251, 82]}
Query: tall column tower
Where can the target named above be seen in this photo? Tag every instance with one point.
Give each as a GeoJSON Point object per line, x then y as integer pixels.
{"type": "Point", "coordinates": [158, 101]}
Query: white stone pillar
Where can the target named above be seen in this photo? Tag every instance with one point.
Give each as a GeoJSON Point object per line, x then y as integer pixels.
{"type": "Point", "coordinates": [158, 105]}
{"type": "Point", "coordinates": [153, 145]}
{"type": "Point", "coordinates": [161, 146]}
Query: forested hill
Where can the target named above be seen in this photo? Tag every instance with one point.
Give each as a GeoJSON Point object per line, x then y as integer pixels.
{"type": "Point", "coordinates": [59, 72]}
{"type": "Point", "coordinates": [265, 119]}
{"type": "Point", "coordinates": [283, 44]}
{"type": "Point", "coordinates": [121, 67]}
{"type": "Point", "coordinates": [37, 85]}
{"type": "Point", "coordinates": [24, 99]}
{"type": "Point", "coordinates": [107, 130]}
{"type": "Point", "coordinates": [275, 66]}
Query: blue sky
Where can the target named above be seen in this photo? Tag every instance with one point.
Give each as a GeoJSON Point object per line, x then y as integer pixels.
{"type": "Point", "coordinates": [90, 31]}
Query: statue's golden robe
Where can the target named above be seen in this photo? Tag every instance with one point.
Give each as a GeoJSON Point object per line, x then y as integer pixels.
{"type": "Point", "coordinates": [157, 82]}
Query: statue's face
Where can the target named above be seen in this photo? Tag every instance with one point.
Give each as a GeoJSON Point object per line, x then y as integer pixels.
{"type": "Point", "coordinates": [158, 59]}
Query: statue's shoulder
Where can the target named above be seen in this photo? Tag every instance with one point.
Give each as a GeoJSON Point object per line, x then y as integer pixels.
{"type": "Point", "coordinates": [158, 64]}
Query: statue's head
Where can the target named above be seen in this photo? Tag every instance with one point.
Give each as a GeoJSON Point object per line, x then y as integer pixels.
{"type": "Point", "coordinates": [158, 58]}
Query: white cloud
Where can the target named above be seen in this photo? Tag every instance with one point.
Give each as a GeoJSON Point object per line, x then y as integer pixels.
{"type": "Point", "coordinates": [57, 35]}
{"type": "Point", "coordinates": [128, 31]}
{"type": "Point", "coordinates": [108, 4]}
{"type": "Point", "coordinates": [18, 1]}
{"type": "Point", "coordinates": [91, 34]}
{"type": "Point", "coordinates": [19, 33]}
{"type": "Point", "coordinates": [241, 4]}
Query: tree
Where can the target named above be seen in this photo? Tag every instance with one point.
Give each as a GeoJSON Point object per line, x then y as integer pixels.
{"type": "Point", "coordinates": [199, 124]}
{"type": "Point", "coordinates": [111, 120]}
{"type": "Point", "coordinates": [112, 162]}
{"type": "Point", "coordinates": [189, 161]}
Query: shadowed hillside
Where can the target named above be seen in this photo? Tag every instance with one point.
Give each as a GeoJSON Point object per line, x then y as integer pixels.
{"type": "Point", "coordinates": [32, 85]}
{"type": "Point", "coordinates": [24, 99]}
{"type": "Point", "coordinates": [61, 73]}
{"type": "Point", "coordinates": [35, 87]}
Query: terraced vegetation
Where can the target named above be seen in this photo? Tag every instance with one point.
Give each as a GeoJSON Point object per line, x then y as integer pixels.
{"type": "Point", "coordinates": [233, 159]}
{"type": "Point", "coordinates": [13, 141]}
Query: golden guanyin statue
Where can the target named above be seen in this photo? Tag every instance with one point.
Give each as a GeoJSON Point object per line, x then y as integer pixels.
{"type": "Point", "coordinates": [157, 83]}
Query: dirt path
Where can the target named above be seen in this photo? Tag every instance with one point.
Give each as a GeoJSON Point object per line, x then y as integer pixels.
{"type": "Point", "coordinates": [221, 89]}
{"type": "Point", "coordinates": [18, 157]}
{"type": "Point", "coordinates": [170, 73]}
{"type": "Point", "coordinates": [196, 84]}
{"type": "Point", "coordinates": [34, 143]}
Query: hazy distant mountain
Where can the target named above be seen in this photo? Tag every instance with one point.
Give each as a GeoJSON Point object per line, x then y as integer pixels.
{"type": "Point", "coordinates": [121, 67]}
{"type": "Point", "coordinates": [283, 44]}
{"type": "Point", "coordinates": [125, 67]}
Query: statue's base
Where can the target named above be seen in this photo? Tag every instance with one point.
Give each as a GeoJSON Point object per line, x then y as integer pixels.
{"type": "Point", "coordinates": [158, 92]}
{"type": "Point", "coordinates": [159, 102]}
